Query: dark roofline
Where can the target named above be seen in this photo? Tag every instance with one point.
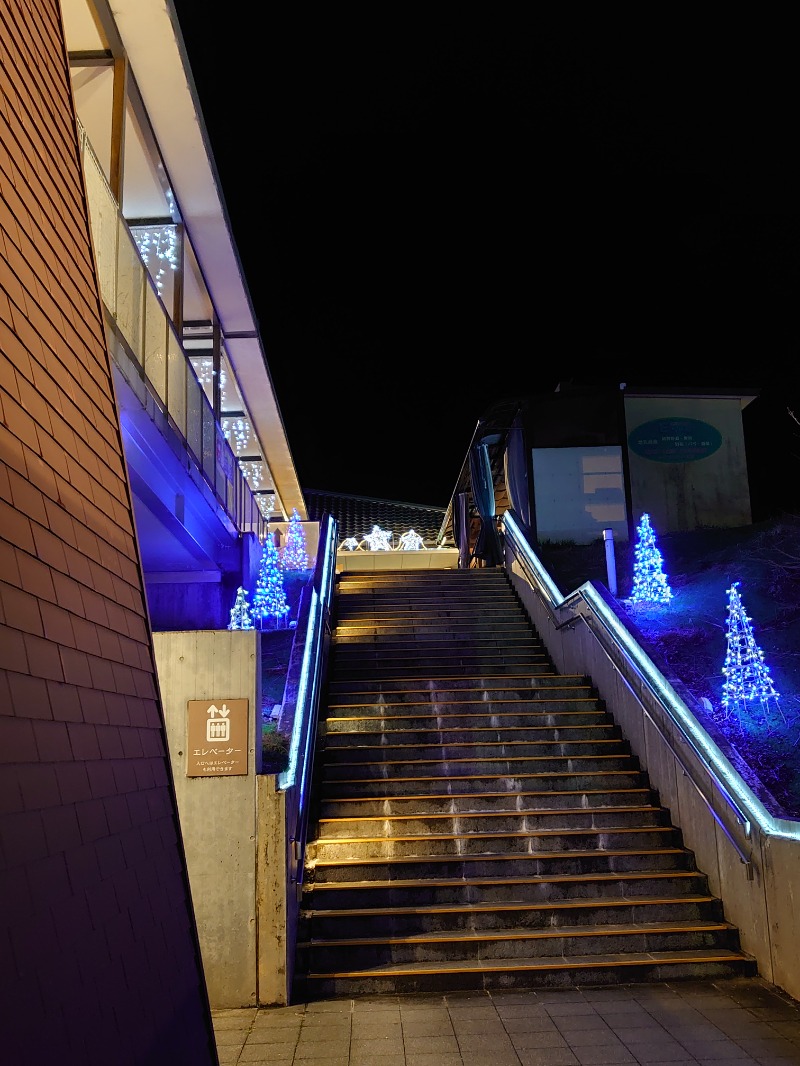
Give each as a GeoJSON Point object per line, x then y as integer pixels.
{"type": "Point", "coordinates": [701, 392]}
{"type": "Point", "coordinates": [376, 499]}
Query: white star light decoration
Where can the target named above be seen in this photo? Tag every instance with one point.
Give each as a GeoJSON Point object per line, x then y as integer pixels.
{"type": "Point", "coordinates": [411, 541]}
{"type": "Point", "coordinates": [379, 540]}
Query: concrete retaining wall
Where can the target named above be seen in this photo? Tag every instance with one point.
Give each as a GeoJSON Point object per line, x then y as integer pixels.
{"type": "Point", "coordinates": [218, 815]}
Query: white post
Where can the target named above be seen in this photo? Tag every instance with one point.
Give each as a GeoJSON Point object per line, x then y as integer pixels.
{"type": "Point", "coordinates": [611, 566]}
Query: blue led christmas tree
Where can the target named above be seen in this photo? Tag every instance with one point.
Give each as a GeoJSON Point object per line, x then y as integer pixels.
{"type": "Point", "coordinates": [747, 677]}
{"type": "Point", "coordinates": [240, 612]}
{"type": "Point", "coordinates": [649, 581]}
{"type": "Point", "coordinates": [294, 554]}
{"type": "Point", "coordinates": [269, 598]}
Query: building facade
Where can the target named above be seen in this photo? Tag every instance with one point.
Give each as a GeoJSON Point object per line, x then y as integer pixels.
{"type": "Point", "coordinates": [142, 454]}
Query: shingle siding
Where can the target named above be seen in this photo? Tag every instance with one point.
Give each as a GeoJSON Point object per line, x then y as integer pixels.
{"type": "Point", "coordinates": [99, 959]}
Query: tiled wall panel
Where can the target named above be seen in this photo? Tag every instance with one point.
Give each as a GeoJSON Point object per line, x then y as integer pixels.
{"type": "Point", "coordinates": [99, 961]}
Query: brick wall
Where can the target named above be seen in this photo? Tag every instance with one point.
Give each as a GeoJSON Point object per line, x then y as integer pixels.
{"type": "Point", "coordinates": [99, 960]}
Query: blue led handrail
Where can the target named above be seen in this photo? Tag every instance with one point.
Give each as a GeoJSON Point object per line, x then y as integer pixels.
{"type": "Point", "coordinates": [309, 683]}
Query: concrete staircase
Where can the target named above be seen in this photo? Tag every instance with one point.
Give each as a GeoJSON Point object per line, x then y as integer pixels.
{"type": "Point", "coordinates": [479, 821]}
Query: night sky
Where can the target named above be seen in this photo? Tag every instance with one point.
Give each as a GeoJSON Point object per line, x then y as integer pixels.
{"type": "Point", "coordinates": [434, 216]}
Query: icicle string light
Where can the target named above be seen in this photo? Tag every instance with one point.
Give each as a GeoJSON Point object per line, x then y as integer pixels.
{"type": "Point", "coordinates": [204, 370]}
{"type": "Point", "coordinates": [238, 433]}
{"type": "Point", "coordinates": [158, 245]}
{"type": "Point", "coordinates": [266, 503]}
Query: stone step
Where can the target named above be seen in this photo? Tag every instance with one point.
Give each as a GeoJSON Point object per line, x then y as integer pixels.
{"type": "Point", "coordinates": [561, 715]}
{"type": "Point", "coordinates": [442, 614]}
{"type": "Point", "coordinates": [413, 611]}
{"type": "Point", "coordinates": [363, 585]}
{"type": "Point", "coordinates": [550, 972]}
{"type": "Point", "coordinates": [386, 786]}
{"type": "Point", "coordinates": [386, 921]}
{"type": "Point", "coordinates": [467, 628]}
{"type": "Point", "coordinates": [547, 973]}
{"type": "Point", "coordinates": [513, 889]}
{"type": "Point", "coordinates": [433, 642]}
{"type": "Point", "coordinates": [479, 819]}
{"type": "Point", "coordinates": [425, 601]}
{"type": "Point", "coordinates": [433, 673]}
{"type": "Point", "coordinates": [347, 751]}
{"type": "Point", "coordinates": [377, 732]}
{"type": "Point", "coordinates": [525, 943]}
{"type": "Point", "coordinates": [423, 660]}
{"type": "Point", "coordinates": [454, 769]}
{"type": "Point", "coordinates": [361, 657]}
{"type": "Point", "coordinates": [429, 576]}
{"type": "Point", "coordinates": [501, 821]}
{"type": "Point", "coordinates": [473, 620]}
{"type": "Point", "coordinates": [509, 842]}
{"type": "Point", "coordinates": [508, 818]}
{"type": "Point", "coordinates": [472, 696]}
{"type": "Point", "coordinates": [466, 803]}
{"type": "Point", "coordinates": [525, 685]}
{"type": "Point", "coordinates": [587, 861]}
{"type": "Point", "coordinates": [439, 609]}
{"type": "Point", "coordinates": [407, 580]}
{"type": "Point", "coordinates": [467, 635]}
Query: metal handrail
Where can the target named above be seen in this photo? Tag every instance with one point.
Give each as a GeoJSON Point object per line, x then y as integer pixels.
{"type": "Point", "coordinates": [305, 679]}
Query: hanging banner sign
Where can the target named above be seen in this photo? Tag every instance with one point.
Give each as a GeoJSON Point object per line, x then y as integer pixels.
{"type": "Point", "coordinates": [674, 440]}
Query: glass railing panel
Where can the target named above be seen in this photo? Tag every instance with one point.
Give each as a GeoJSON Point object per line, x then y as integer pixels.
{"type": "Point", "coordinates": [104, 219]}
{"type": "Point", "coordinates": [209, 455]}
{"type": "Point", "coordinates": [155, 343]}
{"type": "Point", "coordinates": [130, 293]}
{"type": "Point", "coordinates": [243, 504]}
{"type": "Point", "coordinates": [132, 298]}
{"type": "Point", "coordinates": [176, 381]}
{"type": "Point", "coordinates": [194, 417]}
{"type": "Point", "coordinates": [225, 465]}
{"type": "Point", "coordinates": [203, 367]}
{"type": "Point", "coordinates": [232, 501]}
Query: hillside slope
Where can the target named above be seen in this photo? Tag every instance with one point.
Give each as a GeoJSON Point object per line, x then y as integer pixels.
{"type": "Point", "coordinates": [688, 638]}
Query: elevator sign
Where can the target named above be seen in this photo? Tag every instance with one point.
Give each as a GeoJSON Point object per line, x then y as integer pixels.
{"type": "Point", "coordinates": [675, 440]}
{"type": "Point", "coordinates": [217, 735]}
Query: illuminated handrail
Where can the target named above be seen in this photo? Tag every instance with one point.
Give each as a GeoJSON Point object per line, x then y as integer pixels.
{"type": "Point", "coordinates": [588, 604]}
{"type": "Point", "coordinates": [314, 625]}
{"type": "Point", "coordinates": [302, 696]}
